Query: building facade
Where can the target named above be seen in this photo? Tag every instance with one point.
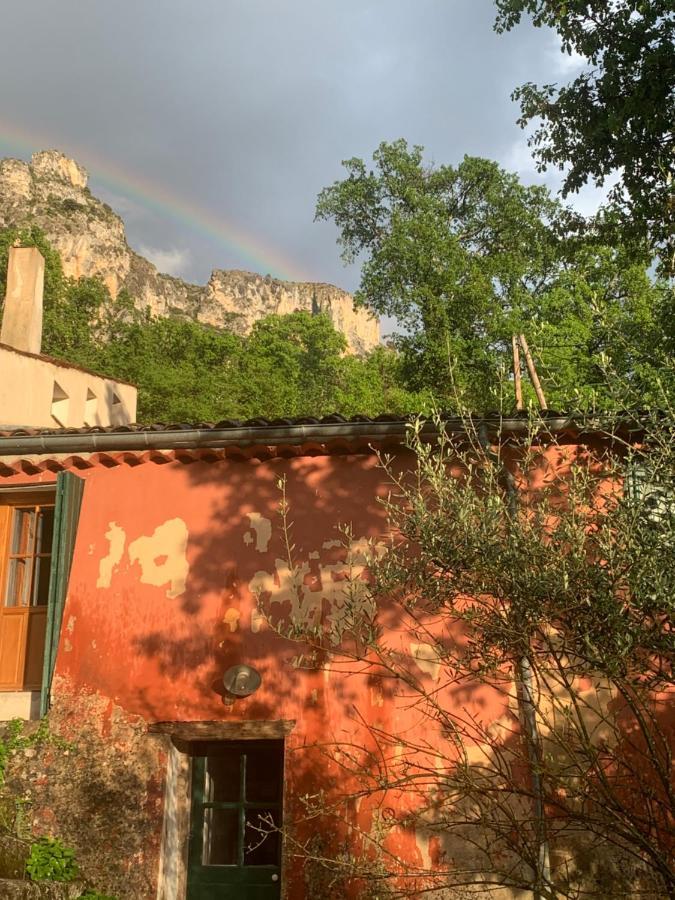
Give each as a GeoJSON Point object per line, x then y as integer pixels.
{"type": "Point", "coordinates": [195, 728]}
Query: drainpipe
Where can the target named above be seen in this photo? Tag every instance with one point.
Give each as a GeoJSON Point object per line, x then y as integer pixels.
{"type": "Point", "coordinates": [525, 695]}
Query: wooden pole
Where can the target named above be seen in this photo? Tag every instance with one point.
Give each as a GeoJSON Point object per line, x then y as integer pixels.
{"type": "Point", "coordinates": [516, 373]}
{"type": "Point", "coordinates": [534, 378]}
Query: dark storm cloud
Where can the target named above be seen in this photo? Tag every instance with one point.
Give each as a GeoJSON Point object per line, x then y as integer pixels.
{"type": "Point", "coordinates": [246, 107]}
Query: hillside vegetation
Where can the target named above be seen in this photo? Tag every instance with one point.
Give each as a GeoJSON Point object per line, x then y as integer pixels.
{"type": "Point", "coordinates": [462, 257]}
{"type": "Point", "coordinates": [290, 365]}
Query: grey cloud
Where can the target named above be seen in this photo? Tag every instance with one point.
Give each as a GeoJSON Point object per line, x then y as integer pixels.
{"type": "Point", "coordinates": [245, 108]}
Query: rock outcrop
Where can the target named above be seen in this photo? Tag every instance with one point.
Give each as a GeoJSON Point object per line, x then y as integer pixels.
{"type": "Point", "coordinates": [52, 191]}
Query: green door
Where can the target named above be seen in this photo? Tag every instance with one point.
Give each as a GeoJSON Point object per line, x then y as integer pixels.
{"type": "Point", "coordinates": [235, 845]}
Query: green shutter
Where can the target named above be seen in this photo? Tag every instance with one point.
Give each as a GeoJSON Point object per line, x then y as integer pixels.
{"type": "Point", "coordinates": [69, 490]}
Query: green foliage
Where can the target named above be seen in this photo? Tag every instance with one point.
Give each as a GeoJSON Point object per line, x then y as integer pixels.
{"type": "Point", "coordinates": [15, 739]}
{"type": "Point", "coordinates": [12, 740]}
{"type": "Point", "coordinates": [463, 257]}
{"type": "Point", "coordinates": [51, 860]}
{"type": "Point", "coordinates": [289, 365]}
{"type": "Point", "coordinates": [616, 116]}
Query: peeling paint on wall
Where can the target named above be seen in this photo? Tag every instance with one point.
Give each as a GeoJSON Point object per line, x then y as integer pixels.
{"type": "Point", "coordinates": [163, 556]}
{"type": "Point", "coordinates": [427, 659]}
{"type": "Point", "coordinates": [257, 621]}
{"type": "Point", "coordinates": [116, 540]}
{"type": "Point", "coordinates": [319, 592]}
{"type": "Point", "coordinates": [262, 528]}
{"type": "Point", "coordinates": [330, 545]}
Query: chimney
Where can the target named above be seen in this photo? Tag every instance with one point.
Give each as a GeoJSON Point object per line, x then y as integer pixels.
{"type": "Point", "coordinates": [22, 313]}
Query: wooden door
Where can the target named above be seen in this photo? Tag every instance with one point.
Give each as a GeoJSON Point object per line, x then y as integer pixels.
{"type": "Point", "coordinates": [25, 558]}
{"type": "Point", "coordinates": [235, 842]}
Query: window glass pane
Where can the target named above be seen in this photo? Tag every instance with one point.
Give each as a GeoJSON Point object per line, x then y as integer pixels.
{"type": "Point", "coordinates": [41, 581]}
{"type": "Point", "coordinates": [45, 530]}
{"type": "Point", "coordinates": [23, 531]}
{"type": "Point", "coordinates": [264, 768]}
{"type": "Point", "coordinates": [222, 777]}
{"type": "Point", "coordinates": [221, 837]}
{"type": "Point", "coordinates": [261, 841]}
{"type": "Point", "coordinates": [18, 582]}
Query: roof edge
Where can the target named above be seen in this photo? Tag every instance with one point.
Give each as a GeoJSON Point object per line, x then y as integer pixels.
{"type": "Point", "coordinates": [273, 434]}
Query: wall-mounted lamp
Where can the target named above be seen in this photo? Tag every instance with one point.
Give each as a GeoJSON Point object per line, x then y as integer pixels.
{"type": "Point", "coordinates": [241, 680]}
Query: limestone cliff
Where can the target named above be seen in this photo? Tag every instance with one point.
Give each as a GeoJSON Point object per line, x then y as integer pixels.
{"type": "Point", "coordinates": [52, 191]}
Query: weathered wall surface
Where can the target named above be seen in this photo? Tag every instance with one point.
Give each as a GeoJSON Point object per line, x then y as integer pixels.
{"type": "Point", "coordinates": [27, 890]}
{"type": "Point", "coordinates": [168, 562]}
{"type": "Point", "coordinates": [60, 395]}
{"type": "Point", "coordinates": [52, 191]}
{"type": "Point", "coordinates": [96, 783]}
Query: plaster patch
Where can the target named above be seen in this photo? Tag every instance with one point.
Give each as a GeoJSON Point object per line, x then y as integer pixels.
{"type": "Point", "coordinates": [248, 538]}
{"type": "Point", "coordinates": [376, 697]}
{"type": "Point", "coordinates": [423, 840]}
{"type": "Point", "coordinates": [427, 659]}
{"type": "Point", "coordinates": [331, 592]}
{"type": "Point", "coordinates": [329, 545]}
{"type": "Point", "coordinates": [167, 543]}
{"type": "Point", "coordinates": [231, 618]}
{"type": "Point", "coordinates": [257, 621]}
{"type": "Point", "coordinates": [116, 540]}
{"type": "Point", "coordinates": [263, 531]}
{"type": "Point", "coordinates": [71, 624]}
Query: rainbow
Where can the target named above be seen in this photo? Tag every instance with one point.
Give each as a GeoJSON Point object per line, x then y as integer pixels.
{"type": "Point", "coordinates": [154, 196]}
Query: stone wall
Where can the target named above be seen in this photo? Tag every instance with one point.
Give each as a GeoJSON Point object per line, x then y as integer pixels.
{"type": "Point", "coordinates": [44, 890]}
{"type": "Point", "coordinates": [96, 783]}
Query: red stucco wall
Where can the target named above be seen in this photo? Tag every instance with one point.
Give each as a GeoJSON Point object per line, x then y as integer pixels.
{"type": "Point", "coordinates": [161, 602]}
{"type": "Point", "coordinates": [159, 650]}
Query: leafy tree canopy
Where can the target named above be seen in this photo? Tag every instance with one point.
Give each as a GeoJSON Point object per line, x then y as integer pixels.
{"type": "Point", "coordinates": [616, 116]}
{"type": "Point", "coordinates": [465, 256]}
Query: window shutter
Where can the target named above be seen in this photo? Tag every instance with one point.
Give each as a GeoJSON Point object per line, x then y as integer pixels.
{"type": "Point", "coordinates": [69, 489]}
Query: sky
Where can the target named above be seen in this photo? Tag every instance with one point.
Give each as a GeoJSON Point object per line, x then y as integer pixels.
{"type": "Point", "coordinates": [210, 126]}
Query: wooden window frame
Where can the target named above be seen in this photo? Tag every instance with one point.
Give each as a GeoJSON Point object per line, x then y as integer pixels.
{"type": "Point", "coordinates": [43, 497]}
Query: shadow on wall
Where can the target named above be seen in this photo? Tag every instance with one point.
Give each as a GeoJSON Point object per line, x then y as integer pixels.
{"type": "Point", "coordinates": [237, 549]}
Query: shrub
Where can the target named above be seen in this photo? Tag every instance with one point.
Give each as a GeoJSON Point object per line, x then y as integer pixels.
{"type": "Point", "coordinates": [51, 860]}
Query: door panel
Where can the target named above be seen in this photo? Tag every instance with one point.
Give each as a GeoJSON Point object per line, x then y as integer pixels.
{"type": "Point", "coordinates": [237, 798]}
{"type": "Point", "coordinates": [26, 529]}
{"type": "Point", "coordinates": [13, 623]}
{"type": "Point", "coordinates": [35, 648]}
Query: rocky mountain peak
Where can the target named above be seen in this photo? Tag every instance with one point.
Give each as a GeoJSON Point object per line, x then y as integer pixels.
{"type": "Point", "coordinates": [51, 191]}
{"type": "Point", "coordinates": [56, 166]}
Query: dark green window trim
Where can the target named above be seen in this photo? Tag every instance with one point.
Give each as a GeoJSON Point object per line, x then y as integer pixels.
{"type": "Point", "coordinates": [69, 490]}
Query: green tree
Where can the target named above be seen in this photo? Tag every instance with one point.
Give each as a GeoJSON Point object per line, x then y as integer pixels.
{"type": "Point", "coordinates": [465, 256]}
{"type": "Point", "coordinates": [293, 362]}
{"type": "Point", "coordinates": [185, 372]}
{"type": "Point", "coordinates": [616, 116]}
{"type": "Point", "coordinates": [289, 365]}
{"type": "Point", "coordinates": [450, 252]}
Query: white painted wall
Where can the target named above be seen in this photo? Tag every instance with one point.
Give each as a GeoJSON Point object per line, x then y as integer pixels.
{"type": "Point", "coordinates": [38, 392]}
